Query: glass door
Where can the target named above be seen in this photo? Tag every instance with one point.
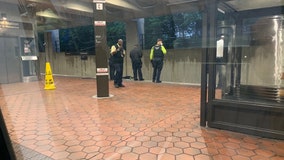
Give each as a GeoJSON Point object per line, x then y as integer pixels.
{"type": "Point", "coordinates": [10, 60]}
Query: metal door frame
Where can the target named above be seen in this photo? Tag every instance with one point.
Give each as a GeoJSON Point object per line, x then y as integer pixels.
{"type": "Point", "coordinates": [239, 116]}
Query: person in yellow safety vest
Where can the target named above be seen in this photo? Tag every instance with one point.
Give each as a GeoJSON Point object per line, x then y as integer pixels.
{"type": "Point", "coordinates": [157, 59]}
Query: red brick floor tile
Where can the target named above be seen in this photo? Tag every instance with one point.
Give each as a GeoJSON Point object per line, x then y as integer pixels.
{"type": "Point", "coordinates": [150, 144]}
{"type": "Point", "coordinates": [221, 157]}
{"type": "Point", "coordinates": [77, 155]}
{"type": "Point", "coordinates": [210, 151]}
{"type": "Point", "coordinates": [147, 156]}
{"type": "Point", "coordinates": [166, 156]}
{"type": "Point", "coordinates": [58, 148]}
{"type": "Point", "coordinates": [277, 158]}
{"type": "Point", "coordinates": [110, 155]}
{"type": "Point", "coordinates": [202, 157]}
{"type": "Point", "coordinates": [245, 152]}
{"type": "Point", "coordinates": [278, 151]}
{"type": "Point", "coordinates": [158, 138]}
{"type": "Point", "coordinates": [231, 145]}
{"type": "Point", "coordinates": [198, 145]}
{"type": "Point", "coordinates": [130, 156]}
{"type": "Point", "coordinates": [68, 123]}
{"type": "Point", "coordinates": [221, 139]}
{"type": "Point", "coordinates": [74, 149]}
{"type": "Point", "coordinates": [188, 139]}
{"type": "Point", "coordinates": [157, 150]}
{"type": "Point", "coordinates": [192, 151]}
{"type": "Point", "coordinates": [174, 151]}
{"type": "Point", "coordinates": [184, 157]}
{"type": "Point", "coordinates": [248, 146]}
{"type": "Point", "coordinates": [258, 157]}
{"type": "Point", "coordinates": [123, 149]}
{"type": "Point", "coordinates": [239, 157]}
{"type": "Point", "coordinates": [140, 150]}
{"type": "Point", "coordinates": [253, 140]}
{"type": "Point", "coordinates": [181, 145]}
{"type": "Point", "coordinates": [60, 155]}
{"type": "Point", "coordinates": [264, 153]}
{"type": "Point", "coordinates": [227, 151]}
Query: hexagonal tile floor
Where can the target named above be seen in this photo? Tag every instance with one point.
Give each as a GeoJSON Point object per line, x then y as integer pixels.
{"type": "Point", "coordinates": [144, 120]}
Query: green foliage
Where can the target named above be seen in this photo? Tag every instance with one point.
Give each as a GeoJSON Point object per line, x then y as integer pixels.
{"type": "Point", "coordinates": [81, 39]}
{"type": "Point", "coordinates": [159, 27]}
{"type": "Point", "coordinates": [188, 29]}
{"type": "Point", "coordinates": [179, 30]}
{"type": "Point", "coordinates": [115, 31]}
{"type": "Point", "coordinates": [76, 40]}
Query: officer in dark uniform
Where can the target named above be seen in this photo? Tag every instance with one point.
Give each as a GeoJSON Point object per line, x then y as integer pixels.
{"type": "Point", "coordinates": [157, 58]}
{"type": "Point", "coordinates": [118, 54]}
{"type": "Point", "coordinates": [135, 56]}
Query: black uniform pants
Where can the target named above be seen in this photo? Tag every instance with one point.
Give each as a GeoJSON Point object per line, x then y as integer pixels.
{"type": "Point", "coordinates": [157, 68]}
{"type": "Point", "coordinates": [118, 73]}
{"type": "Point", "coordinates": [136, 67]}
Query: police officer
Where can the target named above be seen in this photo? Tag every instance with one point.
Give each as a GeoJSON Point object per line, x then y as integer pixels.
{"type": "Point", "coordinates": [118, 54]}
{"type": "Point", "coordinates": [157, 56]}
{"type": "Point", "coordinates": [135, 56]}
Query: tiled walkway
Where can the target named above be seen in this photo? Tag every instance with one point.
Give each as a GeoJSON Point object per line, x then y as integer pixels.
{"type": "Point", "coordinates": [144, 121]}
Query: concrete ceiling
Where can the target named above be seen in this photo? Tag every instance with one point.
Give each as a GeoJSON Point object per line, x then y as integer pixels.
{"type": "Point", "coordinates": [52, 14]}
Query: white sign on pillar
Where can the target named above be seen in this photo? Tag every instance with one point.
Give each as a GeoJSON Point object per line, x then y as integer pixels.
{"type": "Point", "coordinates": [99, 6]}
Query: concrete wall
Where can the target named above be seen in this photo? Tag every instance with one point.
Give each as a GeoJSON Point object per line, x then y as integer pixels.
{"type": "Point", "coordinates": [180, 65]}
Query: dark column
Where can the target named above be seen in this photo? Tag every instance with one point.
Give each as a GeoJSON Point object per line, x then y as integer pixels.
{"type": "Point", "coordinates": [204, 68]}
{"type": "Point", "coordinates": [101, 48]}
{"type": "Point", "coordinates": [6, 149]}
{"type": "Point", "coordinates": [209, 9]}
{"type": "Point", "coordinates": [212, 42]}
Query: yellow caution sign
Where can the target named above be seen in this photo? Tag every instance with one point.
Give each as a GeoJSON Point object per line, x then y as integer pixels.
{"type": "Point", "coordinates": [49, 83]}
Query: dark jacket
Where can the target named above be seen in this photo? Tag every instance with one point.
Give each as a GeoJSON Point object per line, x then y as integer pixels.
{"type": "Point", "coordinates": [136, 55]}
{"type": "Point", "coordinates": [118, 56]}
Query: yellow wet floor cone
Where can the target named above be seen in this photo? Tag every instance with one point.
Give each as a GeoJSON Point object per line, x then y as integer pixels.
{"type": "Point", "coordinates": [49, 83]}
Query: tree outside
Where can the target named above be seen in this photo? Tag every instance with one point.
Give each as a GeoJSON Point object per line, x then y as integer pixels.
{"type": "Point", "coordinates": [181, 30]}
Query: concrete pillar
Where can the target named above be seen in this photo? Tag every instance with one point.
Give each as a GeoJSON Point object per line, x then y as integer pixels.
{"type": "Point", "coordinates": [141, 31]}
{"type": "Point", "coordinates": [101, 49]}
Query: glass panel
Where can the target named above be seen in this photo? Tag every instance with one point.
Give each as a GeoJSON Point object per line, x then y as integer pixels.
{"type": "Point", "coordinates": [252, 70]}
{"type": "Point", "coordinates": [261, 78]}
{"type": "Point", "coordinates": [265, 62]}
{"type": "Point", "coordinates": [225, 54]}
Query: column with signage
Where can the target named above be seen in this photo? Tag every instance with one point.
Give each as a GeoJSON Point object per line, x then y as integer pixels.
{"type": "Point", "coordinates": [101, 48]}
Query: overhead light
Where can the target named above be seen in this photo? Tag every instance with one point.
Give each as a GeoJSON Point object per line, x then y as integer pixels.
{"type": "Point", "coordinates": [49, 14]}
{"type": "Point", "coordinates": [4, 16]}
{"type": "Point", "coordinates": [180, 2]}
{"type": "Point", "coordinates": [220, 10]}
{"type": "Point", "coordinates": [84, 7]}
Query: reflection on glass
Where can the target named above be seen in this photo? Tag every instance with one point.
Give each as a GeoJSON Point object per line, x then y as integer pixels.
{"type": "Point", "coordinates": [28, 46]}
{"type": "Point", "coordinates": [265, 61]}
{"type": "Point", "coordinates": [256, 72]}
{"type": "Point", "coordinates": [224, 59]}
